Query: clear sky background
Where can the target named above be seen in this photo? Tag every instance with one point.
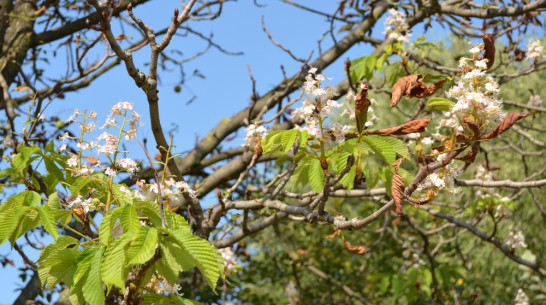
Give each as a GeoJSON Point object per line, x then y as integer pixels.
{"type": "Point", "coordinates": [225, 88]}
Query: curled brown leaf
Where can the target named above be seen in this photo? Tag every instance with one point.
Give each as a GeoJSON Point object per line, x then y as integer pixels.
{"type": "Point", "coordinates": [510, 119]}
{"type": "Point", "coordinates": [398, 187]}
{"type": "Point", "coordinates": [489, 44]}
{"type": "Point", "coordinates": [474, 127]}
{"type": "Point", "coordinates": [422, 90]}
{"type": "Point", "coordinates": [362, 103]}
{"type": "Point", "coordinates": [471, 155]}
{"type": "Point", "coordinates": [412, 86]}
{"type": "Point", "coordinates": [409, 127]}
{"type": "Point", "coordinates": [403, 87]}
{"type": "Point", "coordinates": [359, 250]}
{"type": "Point", "coordinates": [333, 235]}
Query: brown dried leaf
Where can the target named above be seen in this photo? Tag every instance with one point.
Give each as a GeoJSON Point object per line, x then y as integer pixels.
{"type": "Point", "coordinates": [92, 160]}
{"type": "Point", "coordinates": [302, 252]}
{"type": "Point", "coordinates": [359, 250]}
{"type": "Point", "coordinates": [362, 103]}
{"type": "Point", "coordinates": [333, 235]}
{"type": "Point", "coordinates": [489, 44]}
{"type": "Point", "coordinates": [397, 189]}
{"type": "Point", "coordinates": [461, 137]}
{"type": "Point", "coordinates": [422, 90]}
{"type": "Point", "coordinates": [474, 127]}
{"type": "Point", "coordinates": [471, 155]}
{"type": "Point", "coordinates": [403, 87]}
{"type": "Point", "coordinates": [503, 126]}
{"type": "Point", "coordinates": [409, 127]}
{"type": "Point", "coordinates": [22, 88]}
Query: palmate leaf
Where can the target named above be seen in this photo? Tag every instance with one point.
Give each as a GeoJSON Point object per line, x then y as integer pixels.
{"type": "Point", "coordinates": [151, 210]}
{"type": "Point", "coordinates": [9, 221]}
{"type": "Point", "coordinates": [174, 259]}
{"type": "Point", "coordinates": [113, 263]}
{"type": "Point", "coordinates": [92, 287]}
{"type": "Point", "coordinates": [316, 175]}
{"type": "Point", "coordinates": [381, 147]}
{"type": "Point", "coordinates": [56, 261]}
{"type": "Point", "coordinates": [398, 145]}
{"type": "Point", "coordinates": [47, 218]}
{"type": "Point", "coordinates": [142, 247]}
{"type": "Point", "coordinates": [201, 252]}
{"type": "Point", "coordinates": [107, 225]}
{"type": "Point", "coordinates": [129, 218]}
{"type": "Point", "coordinates": [157, 299]}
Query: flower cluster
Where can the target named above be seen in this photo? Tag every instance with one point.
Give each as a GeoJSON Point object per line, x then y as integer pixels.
{"type": "Point", "coordinates": [87, 204]}
{"type": "Point", "coordinates": [396, 26]}
{"type": "Point", "coordinates": [411, 254]}
{"type": "Point", "coordinates": [515, 240]}
{"type": "Point", "coordinates": [443, 179]}
{"type": "Point", "coordinates": [476, 95]}
{"type": "Point", "coordinates": [229, 259]}
{"type": "Point", "coordinates": [483, 174]}
{"type": "Point", "coordinates": [169, 187]}
{"type": "Point", "coordinates": [534, 101]}
{"type": "Point", "coordinates": [159, 284]}
{"type": "Point", "coordinates": [315, 109]}
{"type": "Point", "coordinates": [521, 298]}
{"type": "Point", "coordinates": [534, 50]}
{"type": "Point", "coordinates": [254, 135]}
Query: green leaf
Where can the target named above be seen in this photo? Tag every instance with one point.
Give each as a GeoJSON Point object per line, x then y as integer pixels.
{"type": "Point", "coordinates": [92, 287]}
{"type": "Point", "coordinates": [57, 261]}
{"type": "Point", "coordinates": [142, 248]}
{"type": "Point", "coordinates": [384, 284]}
{"type": "Point", "coordinates": [349, 179]}
{"type": "Point", "coordinates": [339, 160]}
{"type": "Point", "coordinates": [157, 299]}
{"type": "Point", "coordinates": [427, 277]}
{"type": "Point", "coordinates": [63, 216]}
{"type": "Point", "coordinates": [175, 221]}
{"type": "Point", "coordinates": [288, 139]}
{"type": "Point", "coordinates": [201, 252]}
{"type": "Point", "coordinates": [271, 142]}
{"type": "Point", "coordinates": [53, 201]}
{"type": "Point", "coordinates": [28, 220]}
{"type": "Point", "coordinates": [398, 145]}
{"type": "Point", "coordinates": [151, 210]}
{"type": "Point", "coordinates": [372, 178]}
{"type": "Point", "coordinates": [396, 284]}
{"type": "Point", "coordinates": [79, 184]}
{"type": "Point", "coordinates": [392, 73]}
{"type": "Point", "coordinates": [381, 147]}
{"type": "Point", "coordinates": [47, 218]}
{"type": "Point", "coordinates": [8, 223]}
{"type": "Point", "coordinates": [439, 103]}
{"type": "Point", "coordinates": [174, 259]}
{"type": "Point", "coordinates": [113, 263]}
{"type": "Point", "coordinates": [107, 225]}
{"type": "Point", "coordinates": [129, 218]}
{"type": "Point", "coordinates": [83, 262]}
{"type": "Point", "coordinates": [316, 174]}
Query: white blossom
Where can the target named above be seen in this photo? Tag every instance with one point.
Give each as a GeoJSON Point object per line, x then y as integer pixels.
{"type": "Point", "coordinates": [396, 26]}
{"type": "Point", "coordinates": [515, 240]}
{"type": "Point", "coordinates": [534, 50]}
{"type": "Point", "coordinates": [521, 298]}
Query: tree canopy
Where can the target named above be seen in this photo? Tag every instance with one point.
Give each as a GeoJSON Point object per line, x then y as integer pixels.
{"type": "Point", "coordinates": [415, 176]}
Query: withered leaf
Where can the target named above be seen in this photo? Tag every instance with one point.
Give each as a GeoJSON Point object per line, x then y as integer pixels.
{"type": "Point", "coordinates": [359, 250]}
{"type": "Point", "coordinates": [92, 160]}
{"type": "Point", "coordinates": [474, 127]}
{"type": "Point", "coordinates": [403, 87]}
{"type": "Point", "coordinates": [422, 90]}
{"type": "Point", "coordinates": [409, 127]}
{"type": "Point", "coordinates": [461, 137]}
{"type": "Point", "coordinates": [412, 86]}
{"type": "Point", "coordinates": [333, 235]}
{"type": "Point", "coordinates": [471, 155]}
{"type": "Point", "coordinates": [362, 103]}
{"type": "Point", "coordinates": [397, 188]}
{"type": "Point", "coordinates": [510, 119]}
{"type": "Point", "coordinates": [489, 44]}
